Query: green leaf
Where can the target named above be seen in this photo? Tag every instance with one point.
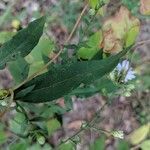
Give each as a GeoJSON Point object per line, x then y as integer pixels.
{"type": "Point", "coordinates": [95, 39]}
{"type": "Point", "coordinates": [38, 147]}
{"type": "Point", "coordinates": [132, 35]}
{"type": "Point", "coordinates": [19, 69]}
{"type": "Point", "coordinates": [3, 136]}
{"type": "Point", "coordinates": [123, 145]}
{"type": "Point", "coordinates": [145, 145]}
{"type": "Point", "coordinates": [22, 43]}
{"type": "Point", "coordinates": [94, 3]}
{"type": "Point", "coordinates": [133, 5]}
{"type": "Point", "coordinates": [105, 84]}
{"type": "Point", "coordinates": [139, 134]}
{"type": "Point", "coordinates": [66, 146]}
{"type": "Point", "coordinates": [17, 146]}
{"type": "Point", "coordinates": [102, 85]}
{"type": "Point", "coordinates": [52, 126]}
{"type": "Point", "coordinates": [99, 144]}
{"type": "Point", "coordinates": [87, 53]}
{"type": "Point", "coordinates": [62, 80]}
{"type": "Point", "coordinates": [25, 91]}
{"type": "Point", "coordinates": [92, 47]}
{"type": "Point", "coordinates": [35, 58]}
{"type": "Point", "coordinates": [5, 36]}
{"type": "Point", "coordinates": [19, 124]}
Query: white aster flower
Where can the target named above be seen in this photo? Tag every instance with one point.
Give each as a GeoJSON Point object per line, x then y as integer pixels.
{"type": "Point", "coordinates": [125, 71]}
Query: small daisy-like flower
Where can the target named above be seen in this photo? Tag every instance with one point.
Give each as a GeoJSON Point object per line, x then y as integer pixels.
{"type": "Point", "coordinates": [124, 71]}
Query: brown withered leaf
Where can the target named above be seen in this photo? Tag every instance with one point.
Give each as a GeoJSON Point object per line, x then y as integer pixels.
{"type": "Point", "coordinates": [115, 30]}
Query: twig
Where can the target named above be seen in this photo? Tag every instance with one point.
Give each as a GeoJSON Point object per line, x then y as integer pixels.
{"type": "Point", "coordinates": [93, 17]}
{"type": "Point", "coordinates": [101, 130]}
{"type": "Point", "coordinates": [77, 23]}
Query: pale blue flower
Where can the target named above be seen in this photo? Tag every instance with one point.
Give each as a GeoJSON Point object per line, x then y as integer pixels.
{"type": "Point", "coordinates": [124, 69]}
{"type": "Point", "coordinates": [124, 65]}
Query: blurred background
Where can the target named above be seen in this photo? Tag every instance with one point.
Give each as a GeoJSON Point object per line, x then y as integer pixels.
{"type": "Point", "coordinates": [127, 112]}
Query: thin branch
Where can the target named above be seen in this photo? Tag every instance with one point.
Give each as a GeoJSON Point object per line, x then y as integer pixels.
{"type": "Point", "coordinates": [77, 23]}
{"type": "Point", "coordinates": [101, 130]}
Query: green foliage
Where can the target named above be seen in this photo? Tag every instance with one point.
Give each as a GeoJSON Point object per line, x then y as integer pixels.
{"type": "Point", "coordinates": [17, 146]}
{"type": "Point", "coordinates": [91, 46]}
{"type": "Point", "coordinates": [123, 145]}
{"type": "Point", "coordinates": [35, 58]}
{"type": "Point", "coordinates": [133, 5]}
{"type": "Point", "coordinates": [3, 136]}
{"type": "Point", "coordinates": [145, 145]}
{"type": "Point", "coordinates": [19, 124]}
{"type": "Point", "coordinates": [62, 80]}
{"type": "Point", "coordinates": [81, 70]}
{"type": "Point", "coordinates": [99, 144]}
{"type": "Point", "coordinates": [94, 3]}
{"type": "Point", "coordinates": [140, 134]}
{"type": "Point", "coordinates": [131, 36]}
{"type": "Point", "coordinates": [52, 126]}
{"type": "Point", "coordinates": [5, 36]}
{"type": "Point", "coordinates": [22, 43]}
{"type": "Point", "coordinates": [19, 69]}
{"type": "Point", "coordinates": [66, 146]}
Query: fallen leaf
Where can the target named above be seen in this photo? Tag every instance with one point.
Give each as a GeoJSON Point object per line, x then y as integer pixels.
{"type": "Point", "coordinates": [139, 134]}
{"type": "Point", "coordinates": [115, 30]}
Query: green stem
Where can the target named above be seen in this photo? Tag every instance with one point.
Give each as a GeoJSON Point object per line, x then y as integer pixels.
{"type": "Point", "coordinates": [89, 124]}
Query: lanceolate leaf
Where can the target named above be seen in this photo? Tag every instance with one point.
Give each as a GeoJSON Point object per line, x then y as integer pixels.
{"type": "Point", "coordinates": [62, 80]}
{"type": "Point", "coordinates": [23, 42]}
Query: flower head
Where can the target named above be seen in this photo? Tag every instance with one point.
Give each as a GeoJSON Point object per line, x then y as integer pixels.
{"type": "Point", "coordinates": [123, 72]}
